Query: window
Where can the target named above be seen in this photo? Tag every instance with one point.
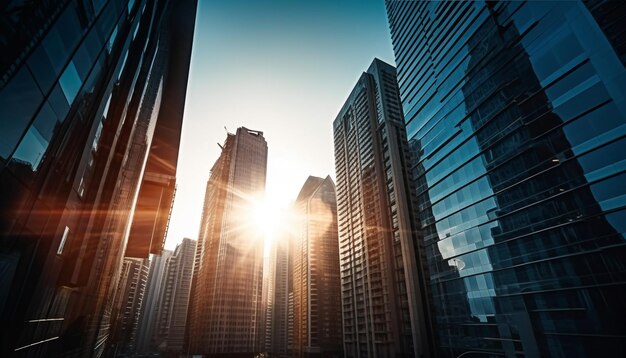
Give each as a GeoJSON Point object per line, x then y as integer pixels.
{"type": "Point", "coordinates": [58, 102]}
{"type": "Point", "coordinates": [33, 146]}
{"type": "Point", "coordinates": [83, 60]}
{"type": "Point", "coordinates": [63, 38]}
{"type": "Point", "coordinates": [112, 40]}
{"type": "Point", "coordinates": [69, 28]}
{"type": "Point", "coordinates": [18, 102]}
{"type": "Point", "coordinates": [131, 4]}
{"type": "Point", "coordinates": [41, 66]}
{"type": "Point", "coordinates": [98, 5]}
{"type": "Point", "coordinates": [70, 82]}
{"type": "Point", "coordinates": [66, 233]}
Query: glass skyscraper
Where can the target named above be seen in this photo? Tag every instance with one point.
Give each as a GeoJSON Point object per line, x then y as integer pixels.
{"type": "Point", "coordinates": [92, 94]}
{"type": "Point", "coordinates": [516, 118]}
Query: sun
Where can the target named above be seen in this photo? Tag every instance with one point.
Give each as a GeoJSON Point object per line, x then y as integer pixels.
{"type": "Point", "coordinates": [266, 217]}
{"type": "Point", "coordinates": [270, 219]}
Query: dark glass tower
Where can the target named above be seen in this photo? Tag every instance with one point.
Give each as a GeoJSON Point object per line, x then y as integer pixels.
{"type": "Point", "coordinates": [516, 115]}
{"type": "Point", "coordinates": [91, 103]}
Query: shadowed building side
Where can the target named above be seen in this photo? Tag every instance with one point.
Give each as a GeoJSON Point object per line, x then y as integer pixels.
{"type": "Point", "coordinates": [383, 285]}
{"type": "Point", "coordinates": [145, 341]}
{"type": "Point", "coordinates": [517, 117]}
{"type": "Point", "coordinates": [171, 315]}
{"type": "Point", "coordinates": [90, 93]}
{"type": "Point", "coordinates": [314, 255]}
{"type": "Point", "coordinates": [128, 302]}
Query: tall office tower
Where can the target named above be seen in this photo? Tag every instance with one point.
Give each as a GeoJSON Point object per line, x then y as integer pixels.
{"type": "Point", "coordinates": [226, 313]}
{"type": "Point", "coordinates": [127, 303]}
{"type": "Point", "coordinates": [267, 303]}
{"type": "Point", "coordinates": [385, 311]}
{"type": "Point", "coordinates": [279, 285]}
{"type": "Point", "coordinates": [171, 315]}
{"type": "Point", "coordinates": [91, 99]}
{"type": "Point", "coordinates": [145, 337]}
{"type": "Point", "coordinates": [315, 271]}
{"type": "Point", "coordinates": [516, 112]}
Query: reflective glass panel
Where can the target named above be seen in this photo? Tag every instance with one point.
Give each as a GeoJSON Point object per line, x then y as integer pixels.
{"type": "Point", "coordinates": [70, 82]}
{"type": "Point", "coordinates": [33, 146]}
{"type": "Point", "coordinates": [18, 102]}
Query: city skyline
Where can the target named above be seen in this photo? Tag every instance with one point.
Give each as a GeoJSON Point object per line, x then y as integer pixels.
{"type": "Point", "coordinates": [297, 179]}
{"type": "Point", "coordinates": [248, 60]}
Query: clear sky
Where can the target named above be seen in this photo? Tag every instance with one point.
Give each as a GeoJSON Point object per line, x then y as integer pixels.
{"type": "Point", "coordinates": [281, 67]}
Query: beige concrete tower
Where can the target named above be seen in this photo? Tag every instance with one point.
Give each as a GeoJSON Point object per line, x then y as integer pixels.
{"type": "Point", "coordinates": [226, 312]}
{"type": "Point", "coordinates": [382, 290]}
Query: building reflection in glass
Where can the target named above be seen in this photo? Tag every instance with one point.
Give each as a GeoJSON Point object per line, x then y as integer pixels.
{"type": "Point", "coordinates": [516, 114]}
{"type": "Point", "coordinates": [91, 103]}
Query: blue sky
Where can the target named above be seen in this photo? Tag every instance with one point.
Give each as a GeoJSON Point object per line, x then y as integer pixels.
{"type": "Point", "coordinates": [281, 67]}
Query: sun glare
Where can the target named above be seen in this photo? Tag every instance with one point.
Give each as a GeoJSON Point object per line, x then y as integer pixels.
{"type": "Point", "coordinates": [270, 219]}
{"type": "Point", "coordinates": [265, 216]}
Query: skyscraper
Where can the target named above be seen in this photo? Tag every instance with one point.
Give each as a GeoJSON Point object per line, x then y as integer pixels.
{"type": "Point", "coordinates": [226, 313]}
{"type": "Point", "coordinates": [314, 255]}
{"type": "Point", "coordinates": [516, 113]}
{"type": "Point", "coordinates": [146, 339]}
{"type": "Point", "coordinates": [385, 313]}
{"type": "Point", "coordinates": [279, 284]}
{"type": "Point", "coordinates": [171, 315]}
{"type": "Point", "coordinates": [127, 303]}
{"type": "Point", "coordinates": [267, 303]}
{"type": "Point", "coordinates": [92, 96]}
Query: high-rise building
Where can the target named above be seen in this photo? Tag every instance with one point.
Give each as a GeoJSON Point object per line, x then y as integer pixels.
{"type": "Point", "coordinates": [145, 338]}
{"type": "Point", "coordinates": [226, 314]}
{"type": "Point", "coordinates": [127, 304]}
{"type": "Point", "coordinates": [161, 316]}
{"type": "Point", "coordinates": [385, 313]}
{"type": "Point", "coordinates": [277, 302]}
{"type": "Point", "coordinates": [516, 113]}
{"type": "Point", "coordinates": [171, 315]}
{"type": "Point", "coordinates": [314, 255]}
{"type": "Point", "coordinates": [92, 96]}
{"type": "Point", "coordinates": [267, 302]}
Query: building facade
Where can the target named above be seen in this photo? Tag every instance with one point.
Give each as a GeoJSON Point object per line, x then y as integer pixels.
{"type": "Point", "coordinates": [279, 285]}
{"type": "Point", "coordinates": [127, 303]}
{"type": "Point", "coordinates": [314, 255]}
{"type": "Point", "coordinates": [91, 104]}
{"type": "Point", "coordinates": [385, 311]}
{"type": "Point", "coordinates": [145, 338]}
{"type": "Point", "coordinates": [226, 315]}
{"type": "Point", "coordinates": [171, 310]}
{"type": "Point", "coordinates": [516, 114]}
